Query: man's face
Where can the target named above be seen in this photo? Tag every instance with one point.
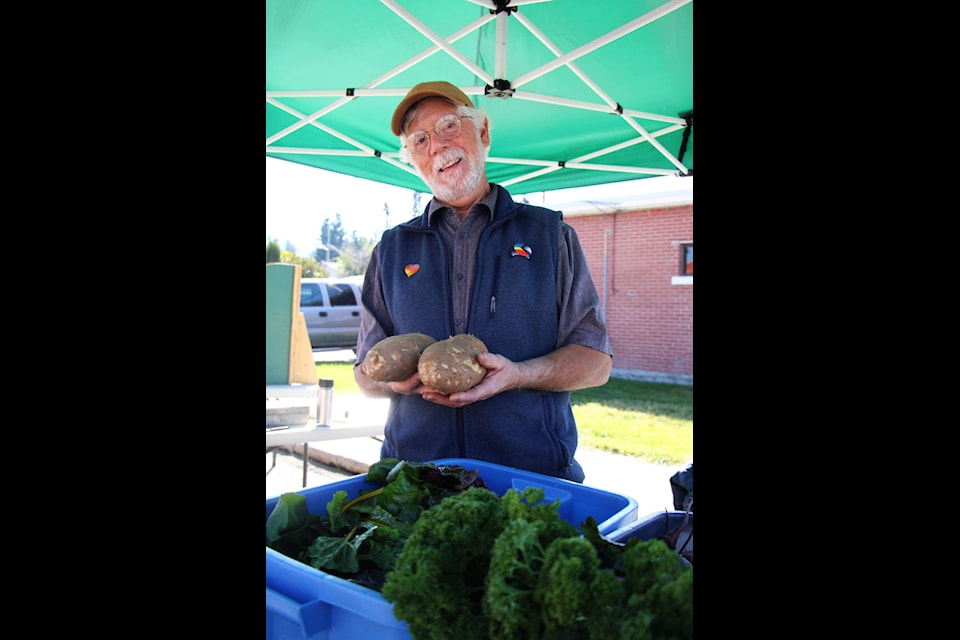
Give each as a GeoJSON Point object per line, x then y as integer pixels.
{"type": "Point", "coordinates": [454, 168]}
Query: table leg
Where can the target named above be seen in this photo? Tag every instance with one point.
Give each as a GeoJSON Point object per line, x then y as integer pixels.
{"type": "Point", "coordinates": [306, 458]}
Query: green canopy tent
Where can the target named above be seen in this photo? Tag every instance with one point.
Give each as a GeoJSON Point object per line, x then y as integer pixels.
{"type": "Point", "coordinates": [579, 92]}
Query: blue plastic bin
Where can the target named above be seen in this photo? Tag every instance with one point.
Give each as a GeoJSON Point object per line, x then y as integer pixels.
{"type": "Point", "coordinates": [656, 525]}
{"type": "Point", "coordinates": [304, 603]}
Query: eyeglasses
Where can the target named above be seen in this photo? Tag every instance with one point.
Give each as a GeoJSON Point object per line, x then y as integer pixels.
{"type": "Point", "coordinates": [447, 128]}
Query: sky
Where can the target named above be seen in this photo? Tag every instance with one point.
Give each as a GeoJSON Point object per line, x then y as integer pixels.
{"type": "Point", "coordinates": [299, 198]}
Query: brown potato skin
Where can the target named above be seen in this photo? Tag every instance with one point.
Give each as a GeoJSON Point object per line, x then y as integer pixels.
{"type": "Point", "coordinates": [395, 358]}
{"type": "Point", "coordinates": [451, 365]}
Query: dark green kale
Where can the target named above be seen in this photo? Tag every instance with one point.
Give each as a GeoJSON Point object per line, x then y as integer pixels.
{"type": "Point", "coordinates": [545, 582]}
{"type": "Point", "coordinates": [516, 560]}
{"type": "Point", "coordinates": [660, 590]}
{"type": "Point", "coordinates": [564, 589]}
{"type": "Point", "coordinates": [437, 584]}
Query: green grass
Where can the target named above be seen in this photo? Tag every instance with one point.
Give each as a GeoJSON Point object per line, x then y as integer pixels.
{"type": "Point", "coordinates": [649, 420]}
{"type": "Point", "coordinates": [342, 375]}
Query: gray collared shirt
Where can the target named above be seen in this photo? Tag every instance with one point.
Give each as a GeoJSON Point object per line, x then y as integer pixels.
{"type": "Point", "coordinates": [460, 239]}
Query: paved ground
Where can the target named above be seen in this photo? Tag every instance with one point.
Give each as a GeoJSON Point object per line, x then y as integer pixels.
{"type": "Point", "coordinates": [329, 461]}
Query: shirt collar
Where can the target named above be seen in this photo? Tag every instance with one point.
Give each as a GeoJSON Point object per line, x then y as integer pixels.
{"type": "Point", "coordinates": [489, 201]}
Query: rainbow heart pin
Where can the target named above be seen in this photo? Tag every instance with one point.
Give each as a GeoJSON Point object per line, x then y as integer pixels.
{"type": "Point", "coordinates": [411, 269]}
{"type": "Point", "coordinates": [520, 249]}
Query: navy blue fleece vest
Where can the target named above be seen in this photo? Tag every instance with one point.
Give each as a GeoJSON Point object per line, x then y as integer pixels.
{"type": "Point", "coordinates": [513, 309]}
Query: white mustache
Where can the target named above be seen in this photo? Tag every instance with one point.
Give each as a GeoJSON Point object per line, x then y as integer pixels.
{"type": "Point", "coordinates": [446, 161]}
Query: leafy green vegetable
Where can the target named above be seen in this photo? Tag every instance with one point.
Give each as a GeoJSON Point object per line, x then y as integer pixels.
{"type": "Point", "coordinates": [564, 588]}
{"type": "Point", "coordinates": [437, 583]}
{"type": "Point", "coordinates": [516, 570]}
{"type": "Point", "coordinates": [360, 538]}
{"type": "Point", "coordinates": [460, 562]}
{"type": "Point", "coordinates": [516, 560]}
{"type": "Point", "coordinates": [290, 528]}
{"type": "Point", "coordinates": [659, 585]}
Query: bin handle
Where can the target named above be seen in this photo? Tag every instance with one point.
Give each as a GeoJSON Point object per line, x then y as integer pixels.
{"type": "Point", "coordinates": [313, 616]}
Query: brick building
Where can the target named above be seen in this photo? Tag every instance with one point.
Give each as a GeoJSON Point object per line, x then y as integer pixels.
{"type": "Point", "coordinates": [640, 251]}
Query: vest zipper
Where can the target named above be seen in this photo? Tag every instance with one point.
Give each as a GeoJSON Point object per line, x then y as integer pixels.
{"type": "Point", "coordinates": [493, 290]}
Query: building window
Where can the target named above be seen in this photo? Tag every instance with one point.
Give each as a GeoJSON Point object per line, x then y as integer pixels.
{"type": "Point", "coordinates": [686, 260]}
{"type": "Point", "coordinates": [685, 276]}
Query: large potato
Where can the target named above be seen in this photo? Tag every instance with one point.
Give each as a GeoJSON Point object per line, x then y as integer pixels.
{"type": "Point", "coordinates": [395, 358]}
{"type": "Point", "coordinates": [451, 365]}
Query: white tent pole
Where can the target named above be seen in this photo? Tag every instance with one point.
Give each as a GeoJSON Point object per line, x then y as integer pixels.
{"type": "Point", "coordinates": [529, 176]}
{"type": "Point", "coordinates": [590, 106]}
{"type": "Point", "coordinates": [346, 153]}
{"type": "Point", "coordinates": [426, 53]}
{"type": "Point", "coordinates": [627, 117]}
{"type": "Point", "coordinates": [312, 151]}
{"type": "Point", "coordinates": [552, 164]}
{"type": "Point", "coordinates": [619, 168]}
{"type": "Point", "coordinates": [542, 172]}
{"type": "Point", "coordinates": [304, 120]}
{"type": "Point", "coordinates": [437, 40]}
{"type": "Point", "coordinates": [619, 32]}
{"type": "Point", "coordinates": [500, 60]}
{"type": "Point", "coordinates": [656, 144]}
{"type": "Point", "coordinates": [367, 90]}
{"type": "Point", "coordinates": [539, 35]}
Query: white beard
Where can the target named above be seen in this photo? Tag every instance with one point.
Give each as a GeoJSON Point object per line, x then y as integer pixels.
{"type": "Point", "coordinates": [451, 191]}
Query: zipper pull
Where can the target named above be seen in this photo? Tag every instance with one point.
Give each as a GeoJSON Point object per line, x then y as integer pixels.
{"type": "Point", "coordinates": [493, 304]}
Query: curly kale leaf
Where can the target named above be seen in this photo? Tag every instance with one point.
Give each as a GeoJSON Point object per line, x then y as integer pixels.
{"type": "Point", "coordinates": [516, 561]}
{"type": "Point", "coordinates": [529, 505]}
{"type": "Point", "coordinates": [508, 601]}
{"type": "Point", "coordinates": [436, 585]}
{"type": "Point", "coordinates": [648, 562]}
{"type": "Point", "coordinates": [660, 589]}
{"type": "Point", "coordinates": [563, 592]}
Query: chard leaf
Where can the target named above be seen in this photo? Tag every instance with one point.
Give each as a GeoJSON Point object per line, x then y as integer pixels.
{"type": "Point", "coordinates": [338, 554]}
{"type": "Point", "coordinates": [386, 547]}
{"type": "Point", "coordinates": [610, 552]}
{"type": "Point", "coordinates": [289, 514]}
{"type": "Point", "coordinates": [404, 498]}
{"type": "Point", "coordinates": [378, 470]}
{"type": "Point", "coordinates": [333, 554]}
{"type": "Point", "coordinates": [336, 504]}
{"type": "Point", "coordinates": [346, 514]}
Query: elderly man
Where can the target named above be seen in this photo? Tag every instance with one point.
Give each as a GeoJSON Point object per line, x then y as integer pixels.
{"type": "Point", "coordinates": [511, 274]}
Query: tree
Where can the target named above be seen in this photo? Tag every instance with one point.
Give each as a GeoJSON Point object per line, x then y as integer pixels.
{"type": "Point", "coordinates": [330, 240]}
{"type": "Point", "coordinates": [354, 258]}
{"type": "Point", "coordinates": [309, 268]}
{"type": "Point", "coordinates": [273, 251]}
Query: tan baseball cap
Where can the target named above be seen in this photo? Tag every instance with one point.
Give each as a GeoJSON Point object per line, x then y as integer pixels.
{"type": "Point", "coordinates": [438, 89]}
